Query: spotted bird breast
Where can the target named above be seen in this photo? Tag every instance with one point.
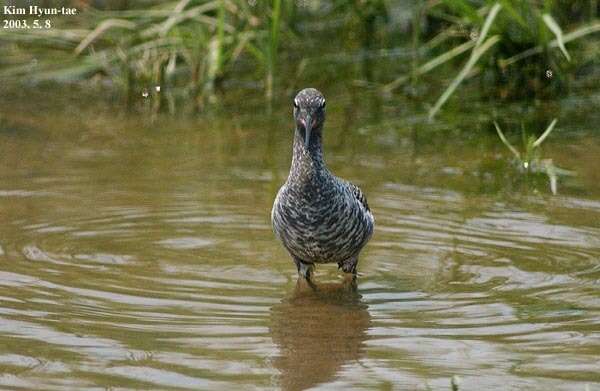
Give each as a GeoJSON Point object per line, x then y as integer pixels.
{"type": "Point", "coordinates": [321, 224]}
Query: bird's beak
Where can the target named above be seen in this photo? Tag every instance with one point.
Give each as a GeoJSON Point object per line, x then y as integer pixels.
{"type": "Point", "coordinates": [307, 130]}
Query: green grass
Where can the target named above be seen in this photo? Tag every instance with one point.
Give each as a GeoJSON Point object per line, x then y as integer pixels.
{"type": "Point", "coordinates": [191, 47]}
{"type": "Point", "coordinates": [529, 160]}
{"type": "Point", "coordinates": [498, 35]}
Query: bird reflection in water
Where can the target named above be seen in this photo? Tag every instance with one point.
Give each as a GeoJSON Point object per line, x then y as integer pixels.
{"type": "Point", "coordinates": [319, 328]}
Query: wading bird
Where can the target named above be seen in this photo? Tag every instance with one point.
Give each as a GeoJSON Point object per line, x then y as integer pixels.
{"type": "Point", "coordinates": [318, 217]}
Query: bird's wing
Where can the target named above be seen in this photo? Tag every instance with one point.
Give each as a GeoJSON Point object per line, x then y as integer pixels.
{"type": "Point", "coordinates": [359, 195]}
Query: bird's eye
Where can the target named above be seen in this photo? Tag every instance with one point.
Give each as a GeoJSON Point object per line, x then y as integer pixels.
{"type": "Point", "coordinates": [295, 103]}
{"type": "Point", "coordinates": [323, 104]}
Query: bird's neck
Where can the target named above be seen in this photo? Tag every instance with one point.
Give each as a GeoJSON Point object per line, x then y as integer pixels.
{"type": "Point", "coordinates": [307, 160]}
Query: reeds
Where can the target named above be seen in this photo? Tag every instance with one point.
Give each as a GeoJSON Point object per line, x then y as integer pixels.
{"type": "Point", "coordinates": [482, 45]}
{"type": "Point", "coordinates": [529, 160]}
{"type": "Point", "coordinates": [188, 43]}
{"type": "Point", "coordinates": [189, 47]}
{"type": "Point", "coordinates": [271, 47]}
{"type": "Point", "coordinates": [506, 31]}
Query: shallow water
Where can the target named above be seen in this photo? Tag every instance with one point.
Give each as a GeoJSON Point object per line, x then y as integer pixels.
{"type": "Point", "coordinates": [144, 259]}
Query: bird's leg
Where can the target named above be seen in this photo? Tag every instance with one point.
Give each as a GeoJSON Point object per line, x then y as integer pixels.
{"type": "Point", "coordinates": [349, 265]}
{"type": "Point", "coordinates": [304, 269]}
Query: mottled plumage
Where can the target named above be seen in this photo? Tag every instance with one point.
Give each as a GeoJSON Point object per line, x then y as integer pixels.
{"type": "Point", "coordinates": [318, 217]}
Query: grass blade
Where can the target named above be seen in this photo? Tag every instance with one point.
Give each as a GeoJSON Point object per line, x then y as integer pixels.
{"type": "Point", "coordinates": [508, 6]}
{"type": "Point", "coordinates": [272, 47]}
{"type": "Point", "coordinates": [173, 18]}
{"type": "Point", "coordinates": [573, 35]}
{"type": "Point", "coordinates": [546, 133]}
{"type": "Point", "coordinates": [487, 24]}
{"type": "Point", "coordinates": [505, 142]}
{"type": "Point", "coordinates": [180, 15]}
{"type": "Point", "coordinates": [429, 65]}
{"type": "Point", "coordinates": [103, 27]}
{"type": "Point", "coordinates": [477, 53]}
{"type": "Point", "coordinates": [555, 28]}
{"type": "Point", "coordinates": [553, 181]}
{"type": "Point", "coordinates": [481, 46]}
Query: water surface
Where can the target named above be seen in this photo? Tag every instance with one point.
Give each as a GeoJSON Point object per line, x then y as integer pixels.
{"type": "Point", "coordinates": [139, 255]}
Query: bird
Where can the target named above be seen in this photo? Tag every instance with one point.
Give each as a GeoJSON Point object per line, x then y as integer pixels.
{"type": "Point", "coordinates": [318, 217]}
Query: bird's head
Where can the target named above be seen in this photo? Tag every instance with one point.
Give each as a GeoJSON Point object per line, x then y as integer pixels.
{"type": "Point", "coordinates": [309, 113]}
